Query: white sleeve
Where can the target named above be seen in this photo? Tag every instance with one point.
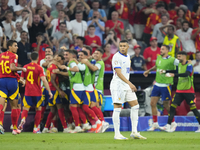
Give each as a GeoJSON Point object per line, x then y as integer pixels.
{"type": "Point", "coordinates": [116, 63]}
{"type": "Point", "coordinates": [81, 67]}
{"type": "Point", "coordinates": [85, 25]}
{"type": "Point", "coordinates": [98, 66]}
{"type": "Point", "coordinates": [41, 62]}
{"type": "Point", "coordinates": [176, 62]}
{"type": "Point", "coordinates": [73, 65]}
{"type": "Point", "coordinates": [1, 32]}
{"type": "Point", "coordinates": [69, 26]}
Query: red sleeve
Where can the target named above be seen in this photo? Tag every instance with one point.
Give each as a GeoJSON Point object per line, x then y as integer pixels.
{"type": "Point", "coordinates": [41, 72]}
{"type": "Point", "coordinates": [193, 15]}
{"type": "Point", "coordinates": [193, 31]}
{"type": "Point", "coordinates": [154, 19]}
{"type": "Point", "coordinates": [98, 41]}
{"type": "Point", "coordinates": [121, 25]}
{"type": "Point", "coordinates": [22, 74]}
{"type": "Point", "coordinates": [14, 59]}
{"type": "Point", "coordinates": [145, 54]}
{"type": "Point", "coordinates": [117, 5]}
{"type": "Point", "coordinates": [34, 45]}
{"type": "Point", "coordinates": [52, 67]}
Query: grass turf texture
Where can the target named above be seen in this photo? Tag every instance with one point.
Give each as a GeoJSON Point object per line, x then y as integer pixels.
{"type": "Point", "coordinates": [91, 141]}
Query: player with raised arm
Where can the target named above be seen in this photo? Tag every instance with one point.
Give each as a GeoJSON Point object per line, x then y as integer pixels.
{"type": "Point", "coordinates": [33, 91]}
{"type": "Point", "coordinates": [8, 82]}
{"type": "Point", "coordinates": [122, 90]}
{"type": "Point", "coordinates": [162, 87]}
{"type": "Point", "coordinates": [185, 90]}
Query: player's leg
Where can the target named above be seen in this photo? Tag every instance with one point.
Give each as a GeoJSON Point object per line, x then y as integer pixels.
{"type": "Point", "coordinates": [131, 98]}
{"type": "Point", "coordinates": [2, 118]}
{"type": "Point", "coordinates": [61, 115]}
{"type": "Point", "coordinates": [45, 97]}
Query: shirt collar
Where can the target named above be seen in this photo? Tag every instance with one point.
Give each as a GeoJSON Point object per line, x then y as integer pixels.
{"type": "Point", "coordinates": [123, 54]}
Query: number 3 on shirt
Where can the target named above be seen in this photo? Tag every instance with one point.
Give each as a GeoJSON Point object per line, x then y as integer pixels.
{"type": "Point", "coordinates": [30, 77]}
{"type": "Point", "coordinates": [5, 67]}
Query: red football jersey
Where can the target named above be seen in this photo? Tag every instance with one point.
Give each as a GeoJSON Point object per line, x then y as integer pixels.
{"type": "Point", "coordinates": [151, 20]}
{"type": "Point", "coordinates": [108, 62]}
{"type": "Point", "coordinates": [124, 14]}
{"type": "Point", "coordinates": [110, 24]}
{"type": "Point", "coordinates": [197, 40]}
{"type": "Point", "coordinates": [32, 77]}
{"type": "Point", "coordinates": [194, 20]}
{"type": "Point", "coordinates": [48, 73]}
{"type": "Point", "coordinates": [7, 58]}
{"type": "Point", "coordinates": [89, 40]}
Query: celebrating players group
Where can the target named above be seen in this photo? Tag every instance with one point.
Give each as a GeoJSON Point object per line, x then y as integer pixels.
{"type": "Point", "coordinates": [72, 88]}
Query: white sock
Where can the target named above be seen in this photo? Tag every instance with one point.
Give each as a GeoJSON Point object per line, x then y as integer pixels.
{"type": "Point", "coordinates": [116, 120]}
{"type": "Point", "coordinates": [134, 117]}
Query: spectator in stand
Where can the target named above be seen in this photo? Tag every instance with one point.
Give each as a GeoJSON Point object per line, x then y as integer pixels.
{"type": "Point", "coordinates": [17, 32]}
{"type": "Point", "coordinates": [36, 26]}
{"type": "Point", "coordinates": [1, 35]}
{"type": "Point", "coordinates": [137, 60]}
{"type": "Point", "coordinates": [20, 7]}
{"type": "Point", "coordinates": [196, 36]}
{"type": "Point", "coordinates": [91, 39]}
{"type": "Point", "coordinates": [179, 23]}
{"type": "Point", "coordinates": [150, 53]}
{"type": "Point", "coordinates": [156, 29]}
{"type": "Point", "coordinates": [188, 12]}
{"type": "Point", "coordinates": [141, 4]}
{"type": "Point", "coordinates": [79, 43]}
{"type": "Point", "coordinates": [171, 39]}
{"type": "Point", "coordinates": [195, 17]}
{"type": "Point", "coordinates": [115, 25]}
{"type": "Point", "coordinates": [24, 19]}
{"type": "Point", "coordinates": [181, 13]}
{"type": "Point", "coordinates": [63, 37]}
{"type": "Point", "coordinates": [113, 40]}
{"type": "Point", "coordinates": [79, 26]}
{"type": "Point", "coordinates": [99, 25]}
{"type": "Point", "coordinates": [54, 2]}
{"type": "Point", "coordinates": [4, 8]}
{"type": "Point", "coordinates": [74, 41]}
{"type": "Point", "coordinates": [107, 57]}
{"type": "Point", "coordinates": [41, 8]}
{"type": "Point", "coordinates": [59, 6]}
{"type": "Point", "coordinates": [24, 49]}
{"type": "Point", "coordinates": [196, 63]}
{"type": "Point", "coordinates": [184, 35]}
{"type": "Point", "coordinates": [40, 46]}
{"type": "Point", "coordinates": [172, 10]}
{"type": "Point", "coordinates": [95, 7]}
{"type": "Point", "coordinates": [122, 8]}
{"type": "Point", "coordinates": [80, 5]}
{"type": "Point", "coordinates": [131, 41]}
{"type": "Point", "coordinates": [9, 25]}
{"type": "Point", "coordinates": [55, 23]}
{"type": "Point", "coordinates": [46, 3]}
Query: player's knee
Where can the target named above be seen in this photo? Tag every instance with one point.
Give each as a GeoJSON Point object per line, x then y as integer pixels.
{"type": "Point", "coordinates": [153, 104]}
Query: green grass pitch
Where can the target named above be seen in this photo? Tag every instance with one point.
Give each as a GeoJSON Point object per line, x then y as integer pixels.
{"type": "Point", "coordinates": [101, 141]}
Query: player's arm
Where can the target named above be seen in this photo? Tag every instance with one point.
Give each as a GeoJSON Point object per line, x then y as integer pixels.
{"type": "Point", "coordinates": [22, 81]}
{"type": "Point", "coordinates": [44, 80]}
{"type": "Point", "coordinates": [63, 73]}
{"type": "Point", "coordinates": [53, 81]}
{"type": "Point", "coordinates": [90, 66]}
{"type": "Point", "coordinates": [14, 68]}
{"type": "Point", "coordinates": [193, 36]}
{"type": "Point", "coordinates": [148, 71]}
{"type": "Point", "coordinates": [188, 72]}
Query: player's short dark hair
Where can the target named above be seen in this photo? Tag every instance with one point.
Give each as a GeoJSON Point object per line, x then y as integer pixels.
{"type": "Point", "coordinates": [34, 55]}
{"type": "Point", "coordinates": [123, 41]}
{"type": "Point", "coordinates": [182, 53]}
{"type": "Point", "coordinates": [75, 52]}
{"type": "Point", "coordinates": [84, 52]}
{"type": "Point", "coordinates": [171, 26]}
{"type": "Point", "coordinates": [49, 48]}
{"type": "Point", "coordinates": [91, 26]}
{"type": "Point", "coordinates": [172, 5]}
{"type": "Point", "coordinates": [167, 46]}
{"type": "Point", "coordinates": [81, 38]}
{"type": "Point", "coordinates": [100, 50]}
{"type": "Point", "coordinates": [88, 48]}
{"type": "Point", "coordinates": [61, 56]}
{"type": "Point", "coordinates": [10, 43]}
{"type": "Point", "coordinates": [185, 21]}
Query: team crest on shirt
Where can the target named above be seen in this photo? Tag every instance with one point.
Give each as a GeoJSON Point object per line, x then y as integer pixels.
{"type": "Point", "coordinates": [119, 98]}
{"type": "Point", "coordinates": [115, 62]}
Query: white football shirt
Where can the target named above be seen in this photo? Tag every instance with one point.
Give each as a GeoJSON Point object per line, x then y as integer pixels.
{"type": "Point", "coordinates": [123, 62]}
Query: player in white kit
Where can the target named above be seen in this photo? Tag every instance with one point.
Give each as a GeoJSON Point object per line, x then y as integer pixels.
{"type": "Point", "coordinates": [122, 90]}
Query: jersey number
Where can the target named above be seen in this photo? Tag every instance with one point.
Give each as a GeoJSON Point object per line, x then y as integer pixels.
{"type": "Point", "coordinates": [5, 67]}
{"type": "Point", "coordinates": [48, 76]}
{"type": "Point", "coordinates": [30, 77]}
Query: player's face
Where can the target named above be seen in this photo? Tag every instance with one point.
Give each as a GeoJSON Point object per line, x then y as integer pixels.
{"type": "Point", "coordinates": [97, 55]}
{"type": "Point", "coordinates": [49, 58]}
{"type": "Point", "coordinates": [48, 51]}
{"type": "Point", "coordinates": [86, 50]}
{"type": "Point", "coordinates": [81, 56]}
{"type": "Point", "coordinates": [66, 56]}
{"type": "Point", "coordinates": [14, 48]}
{"type": "Point", "coordinates": [170, 31]}
{"type": "Point", "coordinates": [181, 58]}
{"type": "Point", "coordinates": [163, 51]}
{"type": "Point", "coordinates": [123, 48]}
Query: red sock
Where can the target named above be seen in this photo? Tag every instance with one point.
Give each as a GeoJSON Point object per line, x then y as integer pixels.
{"type": "Point", "coordinates": [19, 112]}
{"type": "Point", "coordinates": [1, 117]}
{"type": "Point", "coordinates": [55, 123]}
{"type": "Point", "coordinates": [49, 118]}
{"type": "Point", "coordinates": [82, 115]}
{"type": "Point", "coordinates": [98, 113]}
{"type": "Point", "coordinates": [173, 120]}
{"type": "Point", "coordinates": [14, 115]}
{"type": "Point", "coordinates": [1, 108]}
{"type": "Point", "coordinates": [37, 118]}
{"type": "Point", "coordinates": [75, 115]}
{"type": "Point", "coordinates": [155, 118]}
{"type": "Point", "coordinates": [70, 120]}
{"type": "Point", "coordinates": [90, 112]}
{"type": "Point", "coordinates": [62, 117]}
{"type": "Point", "coordinates": [42, 112]}
{"type": "Point", "coordinates": [92, 121]}
{"type": "Point", "coordinates": [24, 114]}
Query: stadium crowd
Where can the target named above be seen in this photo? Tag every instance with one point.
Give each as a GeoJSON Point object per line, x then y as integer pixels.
{"type": "Point", "coordinates": [52, 27]}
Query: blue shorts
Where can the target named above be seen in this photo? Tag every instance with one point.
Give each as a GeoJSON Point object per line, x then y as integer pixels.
{"type": "Point", "coordinates": [9, 88]}
{"type": "Point", "coordinates": [45, 96]}
{"type": "Point", "coordinates": [163, 92]}
{"type": "Point", "coordinates": [67, 96]}
{"type": "Point", "coordinates": [56, 98]}
{"type": "Point", "coordinates": [29, 101]}
{"type": "Point", "coordinates": [76, 97]}
{"type": "Point", "coordinates": [98, 97]}
{"type": "Point", "coordinates": [88, 96]}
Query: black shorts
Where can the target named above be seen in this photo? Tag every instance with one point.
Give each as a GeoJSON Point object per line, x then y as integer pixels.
{"type": "Point", "coordinates": [180, 97]}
